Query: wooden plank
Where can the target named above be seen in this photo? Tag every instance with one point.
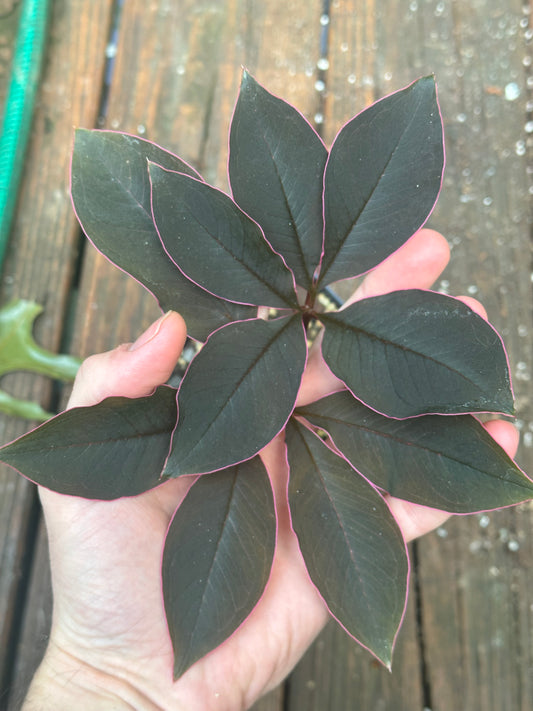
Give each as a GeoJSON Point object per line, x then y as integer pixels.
{"type": "Point", "coordinates": [477, 609]}
{"type": "Point", "coordinates": [261, 37]}
{"type": "Point", "coordinates": [41, 261]}
{"type": "Point", "coordinates": [478, 627]}
{"type": "Point", "coordinates": [35, 627]}
{"type": "Point", "coordinates": [17, 513]}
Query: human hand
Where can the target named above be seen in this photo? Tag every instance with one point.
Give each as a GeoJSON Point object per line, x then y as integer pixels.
{"type": "Point", "coordinates": [109, 645]}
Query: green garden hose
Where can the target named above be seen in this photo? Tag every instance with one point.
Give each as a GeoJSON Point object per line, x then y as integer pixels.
{"type": "Point", "coordinates": [18, 111]}
{"type": "Point", "coordinates": [18, 350]}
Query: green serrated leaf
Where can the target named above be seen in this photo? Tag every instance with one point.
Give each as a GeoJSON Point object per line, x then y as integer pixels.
{"type": "Point", "coordinates": [217, 245]}
{"type": "Point", "coordinates": [111, 195]}
{"type": "Point", "coordinates": [228, 413]}
{"type": "Point", "coordinates": [382, 180]}
{"type": "Point", "coordinates": [217, 558]}
{"type": "Point", "coordinates": [113, 449]}
{"type": "Point", "coordinates": [276, 170]}
{"type": "Point", "coordinates": [450, 463]}
{"type": "Point", "coordinates": [352, 546]}
{"type": "Point", "coordinates": [416, 352]}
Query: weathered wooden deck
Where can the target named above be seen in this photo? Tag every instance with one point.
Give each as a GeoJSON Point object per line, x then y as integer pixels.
{"type": "Point", "coordinates": [467, 641]}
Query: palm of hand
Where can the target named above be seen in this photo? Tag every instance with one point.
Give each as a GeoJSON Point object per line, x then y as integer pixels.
{"type": "Point", "coordinates": [106, 578]}
{"type": "Point", "coordinates": [105, 556]}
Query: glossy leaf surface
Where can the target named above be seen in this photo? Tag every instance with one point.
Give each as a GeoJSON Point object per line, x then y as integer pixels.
{"type": "Point", "coordinates": [215, 244]}
{"type": "Point", "coordinates": [276, 169]}
{"type": "Point", "coordinates": [228, 414]}
{"type": "Point", "coordinates": [111, 195]}
{"type": "Point", "coordinates": [113, 449]}
{"type": "Point", "coordinates": [352, 546]}
{"type": "Point", "coordinates": [382, 180]}
{"type": "Point", "coordinates": [217, 558]}
{"type": "Point", "coordinates": [450, 463]}
{"type": "Point", "coordinates": [413, 352]}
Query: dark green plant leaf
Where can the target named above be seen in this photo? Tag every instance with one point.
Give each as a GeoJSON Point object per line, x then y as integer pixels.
{"type": "Point", "coordinates": [276, 170]}
{"type": "Point", "coordinates": [382, 180]}
{"type": "Point", "coordinates": [448, 463]}
{"type": "Point", "coordinates": [113, 449]}
{"type": "Point", "coordinates": [351, 544]}
{"type": "Point", "coordinates": [217, 245]}
{"type": "Point", "coordinates": [111, 195]}
{"type": "Point", "coordinates": [414, 352]}
{"type": "Point", "coordinates": [217, 558]}
{"type": "Point", "coordinates": [237, 394]}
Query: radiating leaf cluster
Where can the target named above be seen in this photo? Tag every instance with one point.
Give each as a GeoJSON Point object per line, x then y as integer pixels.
{"type": "Point", "coordinates": [245, 271]}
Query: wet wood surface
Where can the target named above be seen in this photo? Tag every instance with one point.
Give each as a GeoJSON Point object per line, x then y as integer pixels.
{"type": "Point", "coordinates": [467, 640]}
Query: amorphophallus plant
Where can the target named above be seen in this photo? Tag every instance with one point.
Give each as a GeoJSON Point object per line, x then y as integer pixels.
{"type": "Point", "coordinates": [246, 271]}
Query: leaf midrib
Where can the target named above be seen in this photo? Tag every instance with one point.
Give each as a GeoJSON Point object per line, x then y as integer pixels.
{"type": "Point", "coordinates": [248, 269]}
{"type": "Point", "coordinates": [340, 519]}
{"type": "Point", "coordinates": [74, 445]}
{"type": "Point", "coordinates": [399, 346]}
{"type": "Point", "coordinates": [404, 443]}
{"type": "Point", "coordinates": [296, 230]}
{"type": "Point", "coordinates": [205, 598]}
{"type": "Point", "coordinates": [245, 375]}
{"type": "Point", "coordinates": [368, 200]}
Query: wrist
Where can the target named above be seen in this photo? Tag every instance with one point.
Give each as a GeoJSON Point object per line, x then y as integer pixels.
{"type": "Point", "coordinates": [63, 682]}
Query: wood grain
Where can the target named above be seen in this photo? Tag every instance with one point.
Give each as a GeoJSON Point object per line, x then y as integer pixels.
{"type": "Point", "coordinates": [40, 265]}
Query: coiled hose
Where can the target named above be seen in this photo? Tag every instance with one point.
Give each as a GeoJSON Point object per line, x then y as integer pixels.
{"type": "Point", "coordinates": [18, 111]}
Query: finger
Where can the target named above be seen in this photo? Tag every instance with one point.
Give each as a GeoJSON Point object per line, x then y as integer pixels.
{"type": "Point", "coordinates": [475, 305]}
{"type": "Point", "coordinates": [132, 370]}
{"type": "Point", "coordinates": [505, 433]}
{"type": "Point", "coordinates": [416, 265]}
{"type": "Point", "coordinates": [415, 520]}
{"type": "Point", "coordinates": [318, 380]}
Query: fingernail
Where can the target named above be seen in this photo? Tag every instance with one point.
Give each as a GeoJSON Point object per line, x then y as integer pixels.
{"type": "Point", "coordinates": [150, 333]}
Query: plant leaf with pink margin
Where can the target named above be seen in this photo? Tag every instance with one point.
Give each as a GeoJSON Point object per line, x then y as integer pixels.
{"type": "Point", "coordinates": [227, 414]}
{"type": "Point", "coordinates": [350, 542]}
{"type": "Point", "coordinates": [217, 558]}
{"type": "Point", "coordinates": [111, 194]}
{"type": "Point", "coordinates": [382, 180]}
{"type": "Point", "coordinates": [276, 171]}
{"type": "Point", "coordinates": [215, 244]}
{"type": "Point", "coordinates": [450, 463]}
{"type": "Point", "coordinates": [113, 449]}
{"type": "Point", "coordinates": [415, 352]}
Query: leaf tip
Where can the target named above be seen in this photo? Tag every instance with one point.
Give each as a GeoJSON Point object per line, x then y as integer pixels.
{"type": "Point", "coordinates": [384, 655]}
{"type": "Point", "coordinates": [180, 667]}
{"type": "Point", "coordinates": [248, 83]}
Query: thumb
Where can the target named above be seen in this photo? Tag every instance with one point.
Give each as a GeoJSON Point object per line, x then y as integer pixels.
{"type": "Point", "coordinates": [135, 369]}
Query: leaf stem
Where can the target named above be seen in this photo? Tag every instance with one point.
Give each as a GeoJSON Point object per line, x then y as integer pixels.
{"type": "Point", "coordinates": [308, 308]}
